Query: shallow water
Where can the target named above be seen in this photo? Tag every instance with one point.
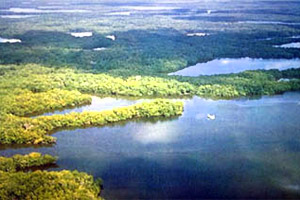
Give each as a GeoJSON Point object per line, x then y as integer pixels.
{"type": "Point", "coordinates": [98, 104]}
{"type": "Point", "coordinates": [235, 65]}
{"type": "Point", "coordinates": [251, 150]}
{"type": "Point", "coordinates": [290, 45]}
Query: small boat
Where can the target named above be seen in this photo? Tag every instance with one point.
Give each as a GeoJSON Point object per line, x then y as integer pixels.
{"type": "Point", "coordinates": [211, 117]}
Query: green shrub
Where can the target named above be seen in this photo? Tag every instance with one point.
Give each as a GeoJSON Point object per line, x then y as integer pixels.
{"type": "Point", "coordinates": [34, 130]}
{"type": "Point", "coordinates": [19, 162]}
{"type": "Point", "coordinates": [63, 185]}
{"type": "Point", "coordinates": [27, 102]}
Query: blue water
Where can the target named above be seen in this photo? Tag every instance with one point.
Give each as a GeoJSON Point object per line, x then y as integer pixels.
{"type": "Point", "coordinates": [235, 65]}
{"type": "Point", "coordinates": [251, 150]}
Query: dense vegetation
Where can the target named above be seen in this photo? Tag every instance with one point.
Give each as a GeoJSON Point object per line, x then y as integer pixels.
{"type": "Point", "coordinates": [27, 102]}
{"type": "Point", "coordinates": [248, 83]}
{"type": "Point", "coordinates": [19, 185]}
{"type": "Point", "coordinates": [30, 89]}
{"type": "Point", "coordinates": [20, 162]}
{"type": "Point", "coordinates": [149, 42]}
{"type": "Point", "coordinates": [34, 130]}
{"type": "Point", "coordinates": [148, 45]}
{"type": "Point", "coordinates": [138, 51]}
{"type": "Point", "coordinates": [41, 79]}
{"type": "Point", "coordinates": [48, 185]}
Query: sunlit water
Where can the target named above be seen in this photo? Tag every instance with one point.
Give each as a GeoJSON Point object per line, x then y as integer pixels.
{"type": "Point", "coordinates": [82, 34]}
{"type": "Point", "coordinates": [290, 45]}
{"type": "Point", "coordinates": [149, 8]}
{"type": "Point", "coordinates": [118, 14]}
{"type": "Point", "coordinates": [34, 10]}
{"type": "Point", "coordinates": [98, 104]}
{"type": "Point", "coordinates": [269, 22]}
{"type": "Point", "coordinates": [5, 40]}
{"type": "Point", "coordinates": [235, 65]}
{"type": "Point", "coordinates": [99, 49]}
{"type": "Point", "coordinates": [16, 16]}
{"type": "Point", "coordinates": [251, 150]}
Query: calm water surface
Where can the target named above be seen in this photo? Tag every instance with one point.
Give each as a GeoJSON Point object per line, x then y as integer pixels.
{"type": "Point", "coordinates": [235, 65]}
{"type": "Point", "coordinates": [295, 45]}
{"type": "Point", "coordinates": [251, 150]}
{"type": "Point", "coordinates": [99, 104]}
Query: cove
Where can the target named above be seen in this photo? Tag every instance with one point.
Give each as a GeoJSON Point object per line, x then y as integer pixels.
{"type": "Point", "coordinates": [236, 65]}
{"type": "Point", "coordinates": [251, 150]}
{"type": "Point", "coordinates": [98, 104]}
